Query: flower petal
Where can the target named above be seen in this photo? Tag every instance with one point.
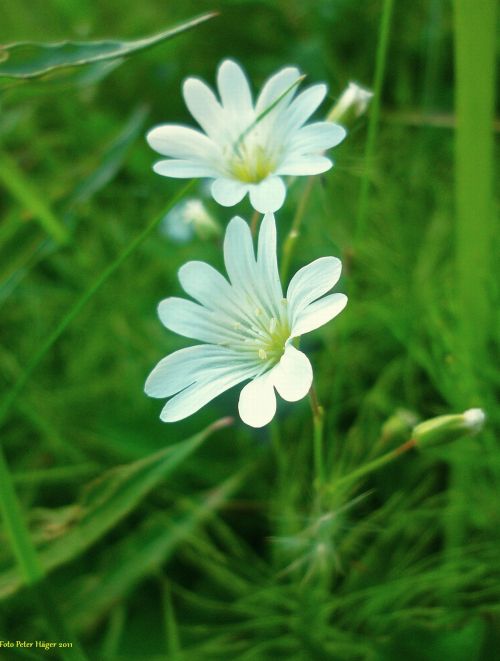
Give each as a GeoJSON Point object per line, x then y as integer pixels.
{"type": "Point", "coordinates": [303, 165]}
{"type": "Point", "coordinates": [311, 282]}
{"type": "Point", "coordinates": [204, 107]}
{"type": "Point", "coordinates": [274, 87]}
{"type": "Point", "coordinates": [267, 262]}
{"type": "Point", "coordinates": [181, 169]}
{"type": "Point", "coordinates": [182, 368]}
{"type": "Point", "coordinates": [205, 284]}
{"type": "Point", "coordinates": [319, 313]}
{"type": "Point", "coordinates": [194, 397]}
{"type": "Point", "coordinates": [292, 376]}
{"type": "Point", "coordinates": [304, 105]}
{"type": "Point", "coordinates": [257, 403]}
{"type": "Point", "coordinates": [181, 142]}
{"type": "Point", "coordinates": [268, 195]}
{"type": "Point", "coordinates": [196, 322]}
{"type": "Point", "coordinates": [316, 137]}
{"type": "Point", "coordinates": [228, 192]}
{"type": "Point", "coordinates": [239, 255]}
{"type": "Point", "coordinates": [235, 92]}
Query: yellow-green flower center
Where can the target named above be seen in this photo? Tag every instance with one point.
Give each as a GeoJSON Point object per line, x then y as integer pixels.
{"type": "Point", "coordinates": [251, 162]}
{"type": "Point", "coordinates": [263, 336]}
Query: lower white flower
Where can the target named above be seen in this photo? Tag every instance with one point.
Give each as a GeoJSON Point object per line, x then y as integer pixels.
{"type": "Point", "coordinates": [247, 327]}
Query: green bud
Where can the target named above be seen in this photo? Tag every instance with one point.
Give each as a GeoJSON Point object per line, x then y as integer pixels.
{"type": "Point", "coordinates": [446, 428]}
{"type": "Point", "coordinates": [352, 103]}
{"type": "Point", "coordinates": [398, 427]}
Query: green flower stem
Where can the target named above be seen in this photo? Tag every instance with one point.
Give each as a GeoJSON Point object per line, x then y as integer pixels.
{"type": "Point", "coordinates": [374, 465]}
{"type": "Point", "coordinates": [29, 564]}
{"type": "Point", "coordinates": [82, 302]}
{"type": "Point", "coordinates": [318, 425]}
{"type": "Point", "coordinates": [294, 233]}
{"type": "Point", "coordinates": [373, 122]}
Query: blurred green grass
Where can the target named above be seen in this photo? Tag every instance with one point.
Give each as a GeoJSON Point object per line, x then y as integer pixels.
{"type": "Point", "coordinates": [265, 577]}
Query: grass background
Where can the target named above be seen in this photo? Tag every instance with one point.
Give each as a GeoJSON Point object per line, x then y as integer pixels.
{"type": "Point", "coordinates": [228, 555]}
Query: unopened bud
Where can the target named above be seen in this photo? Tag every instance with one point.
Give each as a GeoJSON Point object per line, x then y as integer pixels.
{"type": "Point", "coordinates": [446, 428]}
{"type": "Point", "coordinates": [190, 218]}
{"type": "Point", "coordinates": [398, 427]}
{"type": "Point", "coordinates": [353, 103]}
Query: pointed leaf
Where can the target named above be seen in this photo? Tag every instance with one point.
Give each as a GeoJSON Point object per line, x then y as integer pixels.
{"type": "Point", "coordinates": [30, 59]}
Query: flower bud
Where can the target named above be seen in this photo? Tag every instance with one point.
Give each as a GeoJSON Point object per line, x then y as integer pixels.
{"type": "Point", "coordinates": [187, 219]}
{"type": "Point", "coordinates": [447, 428]}
{"type": "Point", "coordinates": [398, 427]}
{"type": "Point", "coordinates": [353, 103]}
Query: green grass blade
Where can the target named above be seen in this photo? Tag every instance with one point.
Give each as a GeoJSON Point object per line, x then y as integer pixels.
{"type": "Point", "coordinates": [373, 122]}
{"type": "Point", "coordinates": [107, 501]}
{"type": "Point", "coordinates": [23, 190]}
{"type": "Point", "coordinates": [475, 30]}
{"type": "Point", "coordinates": [30, 60]}
{"type": "Point", "coordinates": [146, 551]}
{"type": "Point", "coordinates": [82, 302]}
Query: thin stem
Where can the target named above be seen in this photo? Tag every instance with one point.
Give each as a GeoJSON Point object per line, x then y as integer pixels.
{"type": "Point", "coordinates": [374, 465]}
{"type": "Point", "coordinates": [82, 302]}
{"type": "Point", "coordinates": [294, 232]}
{"type": "Point", "coordinates": [318, 415]}
{"type": "Point", "coordinates": [254, 223]}
{"type": "Point", "coordinates": [373, 122]}
{"type": "Point", "coordinates": [23, 549]}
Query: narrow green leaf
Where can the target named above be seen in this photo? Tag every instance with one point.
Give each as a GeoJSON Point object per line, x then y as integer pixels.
{"type": "Point", "coordinates": [17, 183]}
{"type": "Point", "coordinates": [30, 59]}
{"type": "Point", "coordinates": [107, 500]}
{"type": "Point", "coordinates": [111, 161]}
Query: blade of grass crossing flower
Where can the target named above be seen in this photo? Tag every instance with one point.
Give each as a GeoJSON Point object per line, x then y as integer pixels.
{"type": "Point", "coordinates": [82, 302]}
{"type": "Point", "coordinates": [373, 122]}
{"type": "Point", "coordinates": [266, 112]}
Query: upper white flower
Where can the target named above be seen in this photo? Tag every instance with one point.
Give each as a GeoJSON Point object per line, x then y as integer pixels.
{"type": "Point", "coordinates": [246, 148]}
{"type": "Point", "coordinates": [247, 325]}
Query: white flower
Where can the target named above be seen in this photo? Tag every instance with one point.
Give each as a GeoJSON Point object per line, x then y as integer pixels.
{"type": "Point", "coordinates": [246, 148]}
{"type": "Point", "coordinates": [248, 328]}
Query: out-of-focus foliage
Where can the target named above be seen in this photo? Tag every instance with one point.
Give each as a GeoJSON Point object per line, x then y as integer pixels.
{"type": "Point", "coordinates": [231, 556]}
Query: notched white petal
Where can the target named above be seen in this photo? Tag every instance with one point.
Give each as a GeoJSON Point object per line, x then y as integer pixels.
{"type": "Point", "coordinates": [257, 403]}
{"type": "Point", "coordinates": [292, 376]}
{"type": "Point", "coordinates": [228, 192]}
{"type": "Point", "coordinates": [313, 281]}
{"type": "Point", "coordinates": [268, 195]}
